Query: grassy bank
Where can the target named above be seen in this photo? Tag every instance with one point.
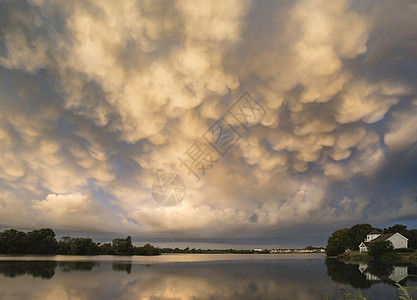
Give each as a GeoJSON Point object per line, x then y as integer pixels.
{"type": "Point", "coordinates": [401, 257]}
{"type": "Point", "coordinates": [355, 257]}
{"type": "Point", "coordinates": [410, 257]}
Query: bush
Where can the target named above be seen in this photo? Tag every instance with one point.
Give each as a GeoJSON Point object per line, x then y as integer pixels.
{"type": "Point", "coordinates": [378, 248]}
{"type": "Point", "coordinates": [404, 250]}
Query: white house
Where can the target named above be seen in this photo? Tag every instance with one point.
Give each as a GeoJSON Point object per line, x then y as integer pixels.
{"type": "Point", "coordinates": [397, 240]}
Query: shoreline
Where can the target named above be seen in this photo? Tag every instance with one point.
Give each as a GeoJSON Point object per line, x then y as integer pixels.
{"type": "Point", "coordinates": [408, 257]}
{"type": "Point", "coordinates": [163, 258]}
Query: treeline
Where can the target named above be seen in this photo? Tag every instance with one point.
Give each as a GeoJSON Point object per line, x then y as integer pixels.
{"type": "Point", "coordinates": [208, 251]}
{"type": "Point", "coordinates": [350, 238]}
{"type": "Point", "coordinates": [43, 241]}
{"type": "Point", "coordinates": [227, 251]}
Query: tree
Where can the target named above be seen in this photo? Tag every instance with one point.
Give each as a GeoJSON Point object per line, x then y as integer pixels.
{"type": "Point", "coordinates": [378, 248]}
{"type": "Point", "coordinates": [402, 229]}
{"type": "Point", "coordinates": [147, 249]}
{"type": "Point", "coordinates": [77, 246]}
{"type": "Point", "coordinates": [64, 245]}
{"type": "Point", "coordinates": [337, 243]}
{"type": "Point", "coordinates": [106, 249]}
{"type": "Point", "coordinates": [412, 238]}
{"type": "Point", "coordinates": [122, 246]}
{"type": "Point", "coordinates": [357, 234]}
{"type": "Point", "coordinates": [42, 241]}
{"type": "Point", "coordinates": [13, 241]}
{"type": "Point", "coordinates": [83, 246]}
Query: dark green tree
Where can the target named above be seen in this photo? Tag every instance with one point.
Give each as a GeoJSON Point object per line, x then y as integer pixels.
{"type": "Point", "coordinates": [412, 238]}
{"type": "Point", "coordinates": [13, 241]}
{"type": "Point", "coordinates": [42, 241]}
{"type": "Point", "coordinates": [397, 228]}
{"type": "Point", "coordinates": [122, 246]}
{"type": "Point", "coordinates": [357, 234]}
{"type": "Point", "coordinates": [77, 246]}
{"type": "Point", "coordinates": [338, 242]}
{"type": "Point", "coordinates": [83, 246]}
{"type": "Point", "coordinates": [106, 249]}
{"type": "Point", "coordinates": [378, 248]}
{"type": "Point", "coordinates": [64, 245]}
{"type": "Point", "coordinates": [147, 249]}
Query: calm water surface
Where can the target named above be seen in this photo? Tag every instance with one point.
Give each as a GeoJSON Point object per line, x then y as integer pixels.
{"type": "Point", "coordinates": [195, 276]}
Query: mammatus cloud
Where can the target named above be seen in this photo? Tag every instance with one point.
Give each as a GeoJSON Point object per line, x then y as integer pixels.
{"type": "Point", "coordinates": [402, 133]}
{"type": "Point", "coordinates": [97, 98]}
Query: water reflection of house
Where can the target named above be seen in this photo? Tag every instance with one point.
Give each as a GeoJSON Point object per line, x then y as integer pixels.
{"type": "Point", "coordinates": [372, 277]}
{"type": "Point", "coordinates": [363, 267]}
{"type": "Point", "coordinates": [398, 273]}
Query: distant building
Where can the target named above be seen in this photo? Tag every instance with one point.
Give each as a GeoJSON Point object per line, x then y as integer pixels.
{"type": "Point", "coordinates": [258, 250]}
{"type": "Point", "coordinates": [397, 240]}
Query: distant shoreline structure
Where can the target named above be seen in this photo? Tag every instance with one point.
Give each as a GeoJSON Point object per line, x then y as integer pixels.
{"type": "Point", "coordinates": [187, 250]}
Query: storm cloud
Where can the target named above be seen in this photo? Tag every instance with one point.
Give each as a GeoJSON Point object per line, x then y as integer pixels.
{"type": "Point", "coordinates": [99, 97]}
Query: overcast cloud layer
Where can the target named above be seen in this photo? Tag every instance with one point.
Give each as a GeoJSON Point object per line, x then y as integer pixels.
{"type": "Point", "coordinates": [99, 97]}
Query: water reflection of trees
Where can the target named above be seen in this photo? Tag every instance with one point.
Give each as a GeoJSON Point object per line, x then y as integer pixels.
{"type": "Point", "coordinates": [83, 266]}
{"type": "Point", "coordinates": [343, 273]}
{"type": "Point", "coordinates": [363, 276]}
{"type": "Point", "coordinates": [122, 267]}
{"type": "Point", "coordinates": [43, 269]}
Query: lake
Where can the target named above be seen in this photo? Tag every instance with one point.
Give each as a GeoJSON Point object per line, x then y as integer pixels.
{"type": "Point", "coordinates": [196, 276]}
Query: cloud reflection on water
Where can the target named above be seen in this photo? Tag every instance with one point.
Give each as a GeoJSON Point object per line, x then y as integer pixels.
{"type": "Point", "coordinates": [263, 279]}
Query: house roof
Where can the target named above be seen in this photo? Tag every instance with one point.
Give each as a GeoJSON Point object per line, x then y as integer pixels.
{"type": "Point", "coordinates": [384, 237]}
{"type": "Point", "coordinates": [375, 232]}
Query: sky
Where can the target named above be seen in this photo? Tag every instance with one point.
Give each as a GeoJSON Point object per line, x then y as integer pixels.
{"type": "Point", "coordinates": [228, 122]}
